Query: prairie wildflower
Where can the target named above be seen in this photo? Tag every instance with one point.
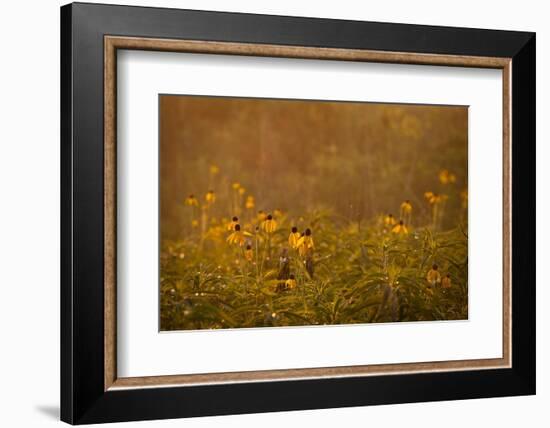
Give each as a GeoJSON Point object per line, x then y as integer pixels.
{"type": "Point", "coordinates": [293, 237]}
{"type": "Point", "coordinates": [438, 204]}
{"type": "Point", "coordinates": [248, 253]}
{"type": "Point", "coordinates": [261, 216]}
{"type": "Point", "coordinates": [237, 237]}
{"type": "Point", "coordinates": [406, 208]}
{"type": "Point", "coordinates": [269, 225]}
{"type": "Point", "coordinates": [194, 223]}
{"type": "Point", "coordinates": [432, 198]}
{"type": "Point", "coordinates": [249, 204]}
{"type": "Point", "coordinates": [433, 277]}
{"type": "Point", "coordinates": [242, 191]}
{"type": "Point", "coordinates": [305, 243]}
{"type": "Point", "coordinates": [214, 170]}
{"type": "Point", "coordinates": [406, 212]}
{"type": "Point", "coordinates": [192, 201]}
{"type": "Point", "coordinates": [446, 281]}
{"type": "Point", "coordinates": [389, 220]}
{"type": "Point", "coordinates": [290, 283]}
{"type": "Point", "coordinates": [236, 185]}
{"type": "Point", "coordinates": [445, 177]}
{"type": "Point", "coordinates": [400, 228]}
{"type": "Point", "coordinates": [231, 225]}
{"type": "Point", "coordinates": [210, 197]}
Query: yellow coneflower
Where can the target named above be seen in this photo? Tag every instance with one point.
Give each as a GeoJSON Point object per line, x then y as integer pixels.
{"type": "Point", "coordinates": [305, 243]}
{"type": "Point", "coordinates": [261, 216]}
{"type": "Point", "coordinates": [238, 237]}
{"type": "Point", "coordinates": [433, 277]}
{"type": "Point", "coordinates": [432, 198]}
{"type": "Point", "coordinates": [269, 225]}
{"type": "Point", "coordinates": [400, 228]}
{"type": "Point", "coordinates": [192, 201]}
{"type": "Point", "coordinates": [290, 283]}
{"type": "Point", "coordinates": [249, 204]}
{"type": "Point", "coordinates": [389, 220]}
{"type": "Point", "coordinates": [214, 170]}
{"type": "Point", "coordinates": [210, 197]}
{"type": "Point", "coordinates": [231, 225]}
{"type": "Point", "coordinates": [438, 204]}
{"type": "Point", "coordinates": [446, 282]}
{"type": "Point", "coordinates": [406, 212]}
{"type": "Point", "coordinates": [194, 223]}
{"type": "Point", "coordinates": [293, 237]}
{"type": "Point", "coordinates": [236, 185]}
{"type": "Point", "coordinates": [406, 208]}
{"type": "Point", "coordinates": [242, 191]}
{"type": "Point", "coordinates": [248, 253]}
{"type": "Point", "coordinates": [300, 244]}
{"type": "Point", "coordinates": [445, 177]}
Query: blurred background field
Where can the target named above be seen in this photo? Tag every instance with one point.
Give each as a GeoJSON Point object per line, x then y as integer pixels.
{"type": "Point", "coordinates": [381, 190]}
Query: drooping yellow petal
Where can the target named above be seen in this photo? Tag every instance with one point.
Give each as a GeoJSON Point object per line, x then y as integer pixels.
{"type": "Point", "coordinates": [433, 277]}
{"type": "Point", "coordinates": [400, 229]}
{"type": "Point", "coordinates": [192, 201]}
{"type": "Point", "coordinates": [389, 220]}
{"type": "Point", "coordinates": [293, 239]}
{"type": "Point", "coordinates": [236, 238]}
{"type": "Point", "coordinates": [406, 207]}
{"type": "Point", "coordinates": [269, 225]}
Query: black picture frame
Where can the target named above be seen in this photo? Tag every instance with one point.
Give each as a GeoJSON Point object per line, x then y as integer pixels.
{"type": "Point", "coordinates": [83, 399]}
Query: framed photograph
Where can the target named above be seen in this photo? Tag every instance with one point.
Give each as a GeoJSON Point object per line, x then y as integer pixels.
{"type": "Point", "coordinates": [266, 213]}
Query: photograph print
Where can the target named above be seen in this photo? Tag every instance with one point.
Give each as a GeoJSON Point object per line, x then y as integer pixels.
{"type": "Point", "coordinates": [284, 212]}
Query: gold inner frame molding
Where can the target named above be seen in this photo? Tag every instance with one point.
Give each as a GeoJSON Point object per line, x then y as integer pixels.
{"type": "Point", "coordinates": [113, 43]}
